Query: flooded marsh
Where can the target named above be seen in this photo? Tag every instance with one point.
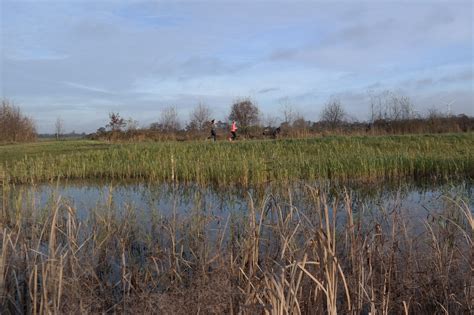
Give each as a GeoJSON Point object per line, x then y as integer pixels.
{"type": "Point", "coordinates": [168, 248]}
{"type": "Point", "coordinates": [335, 225]}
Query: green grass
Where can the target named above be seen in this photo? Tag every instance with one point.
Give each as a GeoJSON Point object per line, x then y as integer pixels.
{"type": "Point", "coordinates": [12, 152]}
{"type": "Point", "coordinates": [245, 162]}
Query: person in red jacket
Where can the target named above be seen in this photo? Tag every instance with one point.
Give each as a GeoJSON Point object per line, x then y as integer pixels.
{"type": "Point", "coordinates": [233, 131]}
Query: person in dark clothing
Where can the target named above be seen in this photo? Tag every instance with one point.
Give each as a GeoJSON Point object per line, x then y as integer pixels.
{"type": "Point", "coordinates": [213, 130]}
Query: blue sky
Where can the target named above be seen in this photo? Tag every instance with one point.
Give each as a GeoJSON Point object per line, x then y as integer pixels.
{"type": "Point", "coordinates": [81, 60]}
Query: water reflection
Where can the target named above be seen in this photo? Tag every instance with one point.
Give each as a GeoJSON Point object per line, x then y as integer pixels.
{"type": "Point", "coordinates": [414, 200]}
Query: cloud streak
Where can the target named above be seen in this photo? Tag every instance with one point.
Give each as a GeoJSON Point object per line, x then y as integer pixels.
{"type": "Point", "coordinates": [86, 87]}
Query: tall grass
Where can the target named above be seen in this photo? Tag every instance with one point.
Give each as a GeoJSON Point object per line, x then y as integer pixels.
{"type": "Point", "coordinates": [248, 162]}
{"type": "Point", "coordinates": [275, 259]}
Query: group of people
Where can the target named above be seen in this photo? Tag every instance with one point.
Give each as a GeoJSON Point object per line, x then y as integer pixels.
{"type": "Point", "coordinates": [233, 130]}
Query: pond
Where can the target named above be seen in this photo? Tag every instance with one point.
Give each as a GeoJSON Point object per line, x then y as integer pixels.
{"type": "Point", "coordinates": [413, 200]}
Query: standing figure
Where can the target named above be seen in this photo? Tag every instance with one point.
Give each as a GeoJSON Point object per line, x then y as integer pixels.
{"type": "Point", "coordinates": [213, 130]}
{"type": "Point", "coordinates": [233, 130]}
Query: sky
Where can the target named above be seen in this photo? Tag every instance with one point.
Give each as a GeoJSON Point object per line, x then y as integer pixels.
{"type": "Point", "coordinates": [81, 60]}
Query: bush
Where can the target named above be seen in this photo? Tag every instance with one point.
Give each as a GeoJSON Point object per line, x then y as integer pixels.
{"type": "Point", "coordinates": [15, 127]}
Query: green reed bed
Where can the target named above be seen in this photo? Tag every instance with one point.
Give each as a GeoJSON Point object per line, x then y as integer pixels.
{"type": "Point", "coordinates": [245, 162]}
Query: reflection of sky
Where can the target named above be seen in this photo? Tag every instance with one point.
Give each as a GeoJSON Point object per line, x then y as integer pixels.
{"type": "Point", "coordinates": [414, 203]}
{"type": "Point", "coordinates": [137, 197]}
{"type": "Point", "coordinates": [81, 59]}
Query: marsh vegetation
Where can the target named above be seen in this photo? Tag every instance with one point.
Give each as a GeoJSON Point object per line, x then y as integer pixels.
{"type": "Point", "coordinates": [315, 249]}
{"type": "Point", "coordinates": [246, 163]}
{"type": "Point", "coordinates": [275, 227]}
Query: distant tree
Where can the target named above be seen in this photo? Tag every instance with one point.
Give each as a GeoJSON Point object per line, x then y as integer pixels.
{"type": "Point", "coordinates": [289, 114]}
{"type": "Point", "coordinates": [378, 105]}
{"type": "Point", "coordinates": [101, 130]}
{"type": "Point", "coordinates": [434, 113]}
{"type": "Point", "coordinates": [333, 114]}
{"type": "Point", "coordinates": [14, 126]}
{"type": "Point", "coordinates": [199, 117]}
{"type": "Point", "coordinates": [169, 120]}
{"type": "Point", "coordinates": [400, 108]}
{"type": "Point", "coordinates": [131, 124]}
{"type": "Point", "coordinates": [116, 123]}
{"type": "Point", "coordinates": [390, 106]}
{"type": "Point", "coordinates": [270, 120]}
{"type": "Point", "coordinates": [58, 128]}
{"type": "Point", "coordinates": [301, 124]}
{"type": "Point", "coordinates": [155, 126]}
{"type": "Point", "coordinates": [245, 113]}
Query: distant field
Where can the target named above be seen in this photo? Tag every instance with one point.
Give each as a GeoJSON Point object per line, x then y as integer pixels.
{"type": "Point", "coordinates": [12, 152]}
{"type": "Point", "coordinates": [245, 162]}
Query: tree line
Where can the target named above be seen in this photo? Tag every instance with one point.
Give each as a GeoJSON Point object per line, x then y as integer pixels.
{"type": "Point", "coordinates": [389, 113]}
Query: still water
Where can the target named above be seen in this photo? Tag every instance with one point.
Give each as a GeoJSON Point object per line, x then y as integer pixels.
{"type": "Point", "coordinates": [413, 200]}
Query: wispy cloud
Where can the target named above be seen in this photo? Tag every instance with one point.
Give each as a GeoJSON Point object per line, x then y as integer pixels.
{"type": "Point", "coordinates": [87, 88]}
{"type": "Point", "coordinates": [463, 76]}
{"type": "Point", "coordinates": [268, 90]}
{"type": "Point", "coordinates": [37, 54]}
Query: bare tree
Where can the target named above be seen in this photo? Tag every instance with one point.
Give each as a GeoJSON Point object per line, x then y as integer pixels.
{"type": "Point", "coordinates": [378, 105]}
{"type": "Point", "coordinates": [58, 128]}
{"type": "Point", "coordinates": [301, 123]}
{"type": "Point", "coordinates": [434, 113]}
{"type": "Point", "coordinates": [333, 114]}
{"type": "Point", "coordinates": [200, 117]}
{"type": "Point", "coordinates": [390, 106]}
{"type": "Point", "coordinates": [131, 124]}
{"type": "Point", "coordinates": [289, 114]}
{"type": "Point", "coordinates": [271, 120]}
{"type": "Point", "coordinates": [14, 126]}
{"type": "Point", "coordinates": [245, 113]}
{"type": "Point", "coordinates": [169, 120]}
{"type": "Point", "coordinates": [116, 123]}
{"type": "Point", "coordinates": [400, 108]}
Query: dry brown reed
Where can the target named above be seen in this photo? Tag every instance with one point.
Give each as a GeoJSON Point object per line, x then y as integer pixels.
{"type": "Point", "coordinates": [275, 259]}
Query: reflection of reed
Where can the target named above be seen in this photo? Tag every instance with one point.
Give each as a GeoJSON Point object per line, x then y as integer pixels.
{"type": "Point", "coordinates": [277, 258]}
{"type": "Point", "coordinates": [86, 195]}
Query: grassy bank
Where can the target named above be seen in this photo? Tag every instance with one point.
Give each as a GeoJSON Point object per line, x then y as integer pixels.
{"type": "Point", "coordinates": [275, 259]}
{"type": "Point", "coordinates": [246, 162]}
